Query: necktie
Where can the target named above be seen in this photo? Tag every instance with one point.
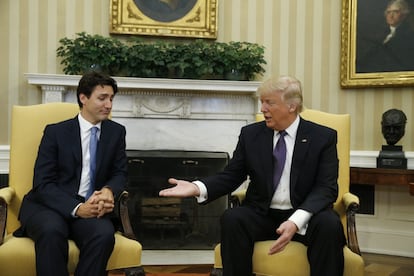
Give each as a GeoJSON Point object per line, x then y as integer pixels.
{"type": "Point", "coordinates": [279, 154]}
{"type": "Point", "coordinates": [93, 142]}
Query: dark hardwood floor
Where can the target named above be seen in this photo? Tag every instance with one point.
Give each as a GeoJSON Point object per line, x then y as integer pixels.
{"type": "Point", "coordinates": [384, 265]}
{"type": "Point", "coordinates": [375, 265]}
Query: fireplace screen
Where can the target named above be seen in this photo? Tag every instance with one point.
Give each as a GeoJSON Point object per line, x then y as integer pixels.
{"type": "Point", "coordinates": [173, 223]}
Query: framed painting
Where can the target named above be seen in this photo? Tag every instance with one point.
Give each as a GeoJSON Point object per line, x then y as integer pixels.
{"type": "Point", "coordinates": [178, 18]}
{"type": "Point", "coordinates": [377, 44]}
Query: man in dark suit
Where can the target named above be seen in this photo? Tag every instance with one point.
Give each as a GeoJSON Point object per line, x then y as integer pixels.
{"type": "Point", "coordinates": [297, 206]}
{"type": "Point", "coordinates": [60, 207]}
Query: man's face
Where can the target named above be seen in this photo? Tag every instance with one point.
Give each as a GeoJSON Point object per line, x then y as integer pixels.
{"type": "Point", "coordinates": [393, 128]}
{"type": "Point", "coordinates": [393, 15]}
{"type": "Point", "coordinates": [277, 113]}
{"type": "Point", "coordinates": [98, 106]}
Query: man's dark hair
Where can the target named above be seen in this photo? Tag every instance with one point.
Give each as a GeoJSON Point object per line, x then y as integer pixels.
{"type": "Point", "coordinates": [89, 81]}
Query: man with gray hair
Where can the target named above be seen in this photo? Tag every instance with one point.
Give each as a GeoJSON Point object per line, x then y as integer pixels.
{"type": "Point", "coordinates": [292, 165]}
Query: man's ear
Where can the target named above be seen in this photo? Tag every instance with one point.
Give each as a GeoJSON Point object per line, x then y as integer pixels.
{"type": "Point", "coordinates": [83, 98]}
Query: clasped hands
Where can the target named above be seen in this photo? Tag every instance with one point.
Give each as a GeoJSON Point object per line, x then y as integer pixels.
{"type": "Point", "coordinates": [100, 203]}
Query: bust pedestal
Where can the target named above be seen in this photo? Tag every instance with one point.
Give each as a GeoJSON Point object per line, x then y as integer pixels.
{"type": "Point", "coordinates": [392, 157]}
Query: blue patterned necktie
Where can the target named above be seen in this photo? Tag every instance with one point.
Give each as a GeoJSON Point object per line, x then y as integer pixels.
{"type": "Point", "coordinates": [279, 155]}
{"type": "Point", "coordinates": [93, 142]}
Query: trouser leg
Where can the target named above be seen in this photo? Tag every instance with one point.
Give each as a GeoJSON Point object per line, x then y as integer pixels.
{"type": "Point", "coordinates": [325, 240]}
{"type": "Point", "coordinates": [95, 240]}
{"type": "Point", "coordinates": [240, 228]}
{"type": "Point", "coordinates": [49, 231]}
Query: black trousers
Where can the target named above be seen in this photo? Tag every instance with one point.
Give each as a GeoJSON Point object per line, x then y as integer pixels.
{"type": "Point", "coordinates": [242, 226]}
{"type": "Point", "coordinates": [50, 232]}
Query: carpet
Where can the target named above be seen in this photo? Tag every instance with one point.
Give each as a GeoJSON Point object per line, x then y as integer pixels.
{"type": "Point", "coordinates": [172, 270]}
{"type": "Point", "coordinates": [178, 270]}
{"type": "Point", "coordinates": [166, 274]}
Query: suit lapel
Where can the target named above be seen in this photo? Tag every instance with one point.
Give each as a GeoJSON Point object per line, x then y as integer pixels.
{"type": "Point", "coordinates": [266, 155]}
{"type": "Point", "coordinates": [73, 135]}
{"type": "Point", "coordinates": [102, 143]}
{"type": "Point", "coordinates": [302, 143]}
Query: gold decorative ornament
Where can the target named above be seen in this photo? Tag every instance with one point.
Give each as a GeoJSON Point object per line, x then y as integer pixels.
{"type": "Point", "coordinates": [178, 18]}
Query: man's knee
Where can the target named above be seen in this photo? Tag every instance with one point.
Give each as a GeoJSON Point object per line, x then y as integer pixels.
{"type": "Point", "coordinates": [326, 224]}
{"type": "Point", "coordinates": [104, 232]}
{"type": "Point", "coordinates": [231, 218]}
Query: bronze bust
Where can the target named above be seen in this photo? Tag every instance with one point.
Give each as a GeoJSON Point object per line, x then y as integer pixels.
{"type": "Point", "coordinates": [393, 125]}
{"type": "Point", "coordinates": [393, 129]}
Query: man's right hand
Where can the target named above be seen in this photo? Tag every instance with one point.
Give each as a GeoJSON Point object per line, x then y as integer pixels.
{"type": "Point", "coordinates": [181, 188]}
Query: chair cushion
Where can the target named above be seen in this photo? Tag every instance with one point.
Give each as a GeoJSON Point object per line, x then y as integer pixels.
{"type": "Point", "coordinates": [25, 266]}
{"type": "Point", "coordinates": [291, 261]}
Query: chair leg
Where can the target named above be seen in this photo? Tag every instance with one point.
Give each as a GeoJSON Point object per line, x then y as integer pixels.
{"type": "Point", "coordinates": [134, 271]}
{"type": "Point", "coordinates": [216, 272]}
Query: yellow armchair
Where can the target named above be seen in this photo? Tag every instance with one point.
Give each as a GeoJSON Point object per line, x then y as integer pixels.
{"type": "Point", "coordinates": [17, 255]}
{"type": "Point", "coordinates": [293, 259]}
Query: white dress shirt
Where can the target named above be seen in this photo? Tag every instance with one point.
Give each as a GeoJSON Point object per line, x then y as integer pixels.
{"type": "Point", "coordinates": [85, 134]}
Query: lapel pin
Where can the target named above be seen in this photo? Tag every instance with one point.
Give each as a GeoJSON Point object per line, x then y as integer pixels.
{"type": "Point", "coordinates": [304, 140]}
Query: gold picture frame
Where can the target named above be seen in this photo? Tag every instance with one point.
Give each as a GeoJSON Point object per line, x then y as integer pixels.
{"type": "Point", "coordinates": [365, 62]}
{"type": "Point", "coordinates": [178, 18]}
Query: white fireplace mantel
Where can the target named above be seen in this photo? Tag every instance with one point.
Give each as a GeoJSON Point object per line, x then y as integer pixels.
{"type": "Point", "coordinates": [51, 83]}
{"type": "Point", "coordinates": [169, 113]}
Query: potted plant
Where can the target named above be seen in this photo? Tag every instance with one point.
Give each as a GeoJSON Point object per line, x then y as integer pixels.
{"type": "Point", "coordinates": [180, 60]}
{"type": "Point", "coordinates": [243, 60]}
{"type": "Point", "coordinates": [209, 65]}
{"type": "Point", "coordinates": [199, 59]}
{"type": "Point", "coordinates": [147, 60]}
{"type": "Point", "coordinates": [92, 52]}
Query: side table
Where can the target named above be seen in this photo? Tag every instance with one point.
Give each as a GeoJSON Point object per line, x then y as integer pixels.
{"type": "Point", "coordinates": [380, 176]}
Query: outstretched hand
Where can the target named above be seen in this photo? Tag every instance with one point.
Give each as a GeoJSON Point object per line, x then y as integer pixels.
{"type": "Point", "coordinates": [181, 188]}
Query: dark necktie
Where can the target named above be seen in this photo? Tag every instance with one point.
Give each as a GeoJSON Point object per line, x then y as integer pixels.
{"type": "Point", "coordinates": [93, 142]}
{"type": "Point", "coordinates": [279, 155]}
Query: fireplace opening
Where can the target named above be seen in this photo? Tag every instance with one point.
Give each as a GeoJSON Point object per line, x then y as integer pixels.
{"type": "Point", "coordinates": [173, 223]}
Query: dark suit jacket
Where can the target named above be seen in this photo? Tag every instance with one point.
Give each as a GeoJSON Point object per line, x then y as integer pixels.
{"type": "Point", "coordinates": [58, 167]}
{"type": "Point", "coordinates": [314, 171]}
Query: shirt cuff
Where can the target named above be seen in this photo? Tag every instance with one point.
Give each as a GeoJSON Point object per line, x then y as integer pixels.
{"type": "Point", "coordinates": [76, 209]}
{"type": "Point", "coordinates": [203, 191]}
{"type": "Point", "coordinates": [301, 218]}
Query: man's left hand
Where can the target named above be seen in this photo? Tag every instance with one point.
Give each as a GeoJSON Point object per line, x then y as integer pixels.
{"type": "Point", "coordinates": [286, 231]}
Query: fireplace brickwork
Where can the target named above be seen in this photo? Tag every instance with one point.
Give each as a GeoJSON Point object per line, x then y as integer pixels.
{"type": "Point", "coordinates": [173, 223]}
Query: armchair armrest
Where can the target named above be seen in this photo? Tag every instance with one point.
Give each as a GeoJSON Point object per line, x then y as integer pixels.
{"type": "Point", "coordinates": [6, 196]}
{"type": "Point", "coordinates": [121, 211]}
{"type": "Point", "coordinates": [351, 203]}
